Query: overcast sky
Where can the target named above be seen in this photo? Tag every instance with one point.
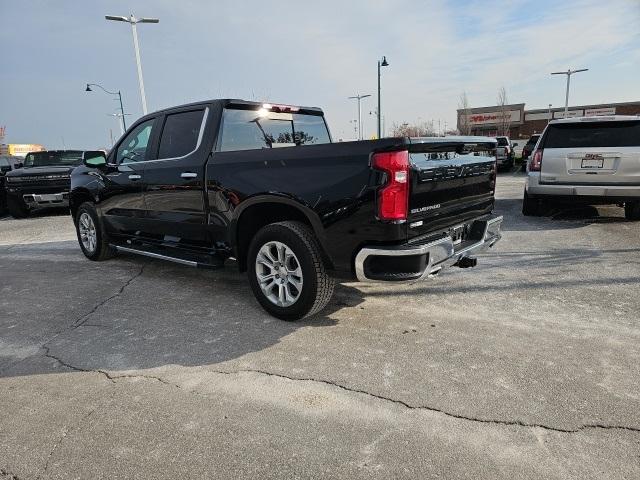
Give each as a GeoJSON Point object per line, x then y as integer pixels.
{"type": "Point", "coordinates": [309, 53]}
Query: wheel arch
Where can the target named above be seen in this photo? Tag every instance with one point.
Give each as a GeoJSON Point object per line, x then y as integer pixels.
{"type": "Point", "coordinates": [76, 198]}
{"type": "Point", "coordinates": [263, 210]}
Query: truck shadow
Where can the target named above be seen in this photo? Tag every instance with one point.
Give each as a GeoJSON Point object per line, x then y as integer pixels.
{"type": "Point", "coordinates": [133, 313]}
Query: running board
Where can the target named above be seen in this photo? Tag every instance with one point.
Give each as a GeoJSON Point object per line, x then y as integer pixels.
{"type": "Point", "coordinates": [160, 256]}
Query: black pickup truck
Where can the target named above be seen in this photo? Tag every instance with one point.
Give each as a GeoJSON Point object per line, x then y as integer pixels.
{"type": "Point", "coordinates": [264, 184]}
{"type": "Point", "coordinates": [43, 181]}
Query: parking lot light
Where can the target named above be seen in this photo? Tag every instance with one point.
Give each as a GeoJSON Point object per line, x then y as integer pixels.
{"type": "Point", "coordinates": [88, 89]}
{"type": "Point", "coordinates": [133, 21]}
{"type": "Point", "coordinates": [381, 63]}
{"type": "Point", "coordinates": [568, 73]}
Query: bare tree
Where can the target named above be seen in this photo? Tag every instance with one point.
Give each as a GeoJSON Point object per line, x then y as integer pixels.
{"type": "Point", "coordinates": [422, 129]}
{"type": "Point", "coordinates": [464, 126]}
{"type": "Point", "coordinates": [504, 120]}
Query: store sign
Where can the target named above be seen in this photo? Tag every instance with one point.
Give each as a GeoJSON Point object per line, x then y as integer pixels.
{"type": "Point", "coordinates": [570, 114]}
{"type": "Point", "coordinates": [494, 118]}
{"type": "Point", "coordinates": [593, 112]}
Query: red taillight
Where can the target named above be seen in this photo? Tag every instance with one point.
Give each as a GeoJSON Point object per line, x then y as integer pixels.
{"type": "Point", "coordinates": [536, 161]}
{"type": "Point", "coordinates": [393, 197]}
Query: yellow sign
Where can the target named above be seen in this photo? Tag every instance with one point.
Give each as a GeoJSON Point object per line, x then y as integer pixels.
{"type": "Point", "coordinates": [20, 149]}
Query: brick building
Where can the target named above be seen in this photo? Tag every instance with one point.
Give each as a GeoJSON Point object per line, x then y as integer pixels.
{"type": "Point", "coordinates": [524, 123]}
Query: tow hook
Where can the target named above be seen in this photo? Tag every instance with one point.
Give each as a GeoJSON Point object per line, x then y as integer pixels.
{"type": "Point", "coordinates": [467, 262]}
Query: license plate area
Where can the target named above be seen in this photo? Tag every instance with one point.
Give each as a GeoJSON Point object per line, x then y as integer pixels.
{"type": "Point", "coordinates": [591, 163]}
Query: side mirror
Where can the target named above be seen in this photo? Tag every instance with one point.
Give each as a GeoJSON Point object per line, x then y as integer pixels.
{"type": "Point", "coordinates": [94, 159]}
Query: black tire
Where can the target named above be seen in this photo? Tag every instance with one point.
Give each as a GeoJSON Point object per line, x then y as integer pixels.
{"type": "Point", "coordinates": [530, 206]}
{"type": "Point", "coordinates": [17, 208]}
{"type": "Point", "coordinates": [632, 210]}
{"type": "Point", "coordinates": [102, 250]}
{"type": "Point", "coordinates": [317, 285]}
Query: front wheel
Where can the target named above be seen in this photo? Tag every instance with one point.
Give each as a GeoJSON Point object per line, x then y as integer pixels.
{"type": "Point", "coordinates": [632, 210]}
{"type": "Point", "coordinates": [91, 237]}
{"type": "Point", "coordinates": [286, 271]}
{"type": "Point", "coordinates": [17, 208]}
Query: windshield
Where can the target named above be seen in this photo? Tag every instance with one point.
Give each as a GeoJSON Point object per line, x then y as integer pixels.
{"type": "Point", "coordinates": [68, 158]}
{"type": "Point", "coordinates": [593, 134]}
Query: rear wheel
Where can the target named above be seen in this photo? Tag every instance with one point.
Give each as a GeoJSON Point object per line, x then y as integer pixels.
{"type": "Point", "coordinates": [91, 236]}
{"type": "Point", "coordinates": [530, 206]}
{"type": "Point", "coordinates": [286, 271]}
{"type": "Point", "coordinates": [632, 210]}
{"type": "Point", "coordinates": [17, 207]}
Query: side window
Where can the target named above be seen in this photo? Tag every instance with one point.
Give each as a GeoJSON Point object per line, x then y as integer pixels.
{"type": "Point", "coordinates": [134, 147]}
{"type": "Point", "coordinates": [180, 134]}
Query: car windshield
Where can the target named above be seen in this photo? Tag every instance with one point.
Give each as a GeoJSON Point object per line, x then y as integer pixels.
{"type": "Point", "coordinates": [593, 134]}
{"type": "Point", "coordinates": [66, 158]}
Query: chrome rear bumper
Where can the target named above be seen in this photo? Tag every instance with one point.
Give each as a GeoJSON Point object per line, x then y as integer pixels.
{"type": "Point", "coordinates": [431, 257]}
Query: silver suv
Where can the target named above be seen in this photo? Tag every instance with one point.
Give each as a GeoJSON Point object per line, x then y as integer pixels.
{"type": "Point", "coordinates": [591, 160]}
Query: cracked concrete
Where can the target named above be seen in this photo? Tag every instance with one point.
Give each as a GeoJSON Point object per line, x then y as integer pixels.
{"type": "Point", "coordinates": [525, 367]}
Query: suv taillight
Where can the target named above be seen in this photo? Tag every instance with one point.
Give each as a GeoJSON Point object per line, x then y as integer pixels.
{"type": "Point", "coordinates": [393, 196]}
{"type": "Point", "coordinates": [536, 161]}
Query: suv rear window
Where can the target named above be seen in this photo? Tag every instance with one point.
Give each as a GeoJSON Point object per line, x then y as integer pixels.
{"type": "Point", "coordinates": [592, 134]}
{"type": "Point", "coordinates": [251, 129]}
{"type": "Point", "coordinates": [533, 140]}
{"type": "Point", "coordinates": [502, 142]}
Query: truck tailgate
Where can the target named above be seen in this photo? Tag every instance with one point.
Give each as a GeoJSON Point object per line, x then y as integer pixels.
{"type": "Point", "coordinates": [452, 181]}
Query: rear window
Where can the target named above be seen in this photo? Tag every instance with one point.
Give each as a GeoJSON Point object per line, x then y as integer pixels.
{"type": "Point", "coordinates": [592, 134]}
{"type": "Point", "coordinates": [502, 142]}
{"type": "Point", "coordinates": [252, 129]}
{"type": "Point", "coordinates": [533, 140]}
{"type": "Point", "coordinates": [40, 159]}
{"type": "Point", "coordinates": [180, 134]}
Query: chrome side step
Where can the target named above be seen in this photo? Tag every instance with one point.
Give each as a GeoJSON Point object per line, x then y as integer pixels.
{"type": "Point", "coordinates": [159, 256]}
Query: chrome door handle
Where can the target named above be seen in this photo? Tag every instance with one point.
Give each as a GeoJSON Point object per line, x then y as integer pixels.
{"type": "Point", "coordinates": [135, 177]}
{"type": "Point", "coordinates": [188, 175]}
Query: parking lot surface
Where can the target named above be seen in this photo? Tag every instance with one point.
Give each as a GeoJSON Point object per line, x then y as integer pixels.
{"type": "Point", "coordinates": [526, 366]}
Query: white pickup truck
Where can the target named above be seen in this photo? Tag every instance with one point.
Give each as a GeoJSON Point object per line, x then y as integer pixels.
{"type": "Point", "coordinates": [591, 160]}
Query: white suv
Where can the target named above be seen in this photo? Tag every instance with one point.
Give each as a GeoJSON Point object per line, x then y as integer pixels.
{"type": "Point", "coordinates": [592, 160]}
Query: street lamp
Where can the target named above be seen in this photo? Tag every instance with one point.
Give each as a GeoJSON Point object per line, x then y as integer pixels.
{"type": "Point", "coordinates": [133, 21]}
{"type": "Point", "coordinates": [359, 97]}
{"type": "Point", "coordinates": [549, 117]}
{"type": "Point", "coordinates": [88, 89]}
{"type": "Point", "coordinates": [381, 63]}
{"type": "Point", "coordinates": [568, 73]}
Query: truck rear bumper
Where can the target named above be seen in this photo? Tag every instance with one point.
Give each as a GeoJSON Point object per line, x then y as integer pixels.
{"type": "Point", "coordinates": [410, 263]}
{"type": "Point", "coordinates": [536, 188]}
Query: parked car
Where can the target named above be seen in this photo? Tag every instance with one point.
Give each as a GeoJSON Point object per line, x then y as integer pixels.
{"type": "Point", "coordinates": [591, 160]}
{"type": "Point", "coordinates": [528, 148]}
{"type": "Point", "coordinates": [504, 153]}
{"type": "Point", "coordinates": [262, 183]}
{"type": "Point", "coordinates": [43, 181]}
{"type": "Point", "coordinates": [7, 163]}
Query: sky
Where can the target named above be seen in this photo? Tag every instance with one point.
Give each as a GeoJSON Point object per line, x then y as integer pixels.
{"type": "Point", "coordinates": [305, 53]}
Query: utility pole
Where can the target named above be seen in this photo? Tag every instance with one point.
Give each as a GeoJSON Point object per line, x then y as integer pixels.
{"type": "Point", "coordinates": [568, 73]}
{"type": "Point", "coordinates": [359, 98]}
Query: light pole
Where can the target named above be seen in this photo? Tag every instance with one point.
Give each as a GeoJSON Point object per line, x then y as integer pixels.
{"type": "Point", "coordinates": [381, 63]}
{"type": "Point", "coordinates": [359, 97]}
{"type": "Point", "coordinates": [133, 21]}
{"type": "Point", "coordinates": [549, 117]}
{"type": "Point", "coordinates": [88, 89]}
{"type": "Point", "coordinates": [568, 73]}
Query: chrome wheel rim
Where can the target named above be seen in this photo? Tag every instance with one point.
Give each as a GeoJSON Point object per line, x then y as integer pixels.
{"type": "Point", "coordinates": [88, 235]}
{"type": "Point", "coordinates": [279, 274]}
